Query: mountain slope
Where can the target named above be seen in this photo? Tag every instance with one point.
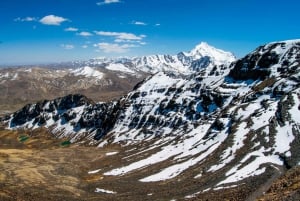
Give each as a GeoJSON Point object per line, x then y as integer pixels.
{"type": "Point", "coordinates": [20, 86]}
{"type": "Point", "coordinates": [225, 127]}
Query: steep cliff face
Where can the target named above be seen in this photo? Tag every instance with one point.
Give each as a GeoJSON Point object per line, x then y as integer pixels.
{"type": "Point", "coordinates": [237, 121]}
{"type": "Point", "coordinates": [274, 59]}
{"type": "Point", "coordinates": [72, 116]}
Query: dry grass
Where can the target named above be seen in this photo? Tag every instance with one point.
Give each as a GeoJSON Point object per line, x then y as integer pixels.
{"type": "Point", "coordinates": [286, 187]}
{"type": "Point", "coordinates": [41, 165]}
{"type": "Point", "coordinates": [40, 169]}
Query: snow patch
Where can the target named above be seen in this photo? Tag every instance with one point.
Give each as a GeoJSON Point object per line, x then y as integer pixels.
{"type": "Point", "coordinates": [94, 171]}
{"type": "Point", "coordinates": [88, 72]}
{"type": "Point", "coordinates": [119, 67]}
{"type": "Point", "coordinates": [100, 190]}
{"type": "Point", "coordinates": [111, 153]}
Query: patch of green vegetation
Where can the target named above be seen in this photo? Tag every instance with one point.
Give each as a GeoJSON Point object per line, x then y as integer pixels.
{"type": "Point", "coordinates": [23, 138]}
{"type": "Point", "coordinates": [65, 143]}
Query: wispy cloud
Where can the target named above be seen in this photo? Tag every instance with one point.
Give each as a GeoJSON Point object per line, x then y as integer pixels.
{"type": "Point", "coordinates": [84, 46]}
{"type": "Point", "coordinates": [67, 46]}
{"type": "Point", "coordinates": [157, 24]}
{"type": "Point", "coordinates": [72, 29]}
{"type": "Point", "coordinates": [139, 23]}
{"type": "Point", "coordinates": [52, 20]}
{"type": "Point", "coordinates": [114, 47]}
{"type": "Point", "coordinates": [121, 35]}
{"type": "Point", "coordinates": [105, 2]}
{"type": "Point", "coordinates": [26, 19]}
{"type": "Point", "coordinates": [85, 34]}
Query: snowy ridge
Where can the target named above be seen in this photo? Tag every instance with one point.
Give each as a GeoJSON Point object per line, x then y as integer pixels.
{"type": "Point", "coordinates": [202, 56]}
{"type": "Point", "coordinates": [100, 69]}
{"type": "Point", "coordinates": [118, 67]}
{"type": "Point", "coordinates": [236, 122]}
{"type": "Point", "coordinates": [88, 72]}
{"type": "Point", "coordinates": [205, 50]}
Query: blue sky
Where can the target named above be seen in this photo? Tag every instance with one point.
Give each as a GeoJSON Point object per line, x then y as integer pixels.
{"type": "Point", "coordinates": [41, 31]}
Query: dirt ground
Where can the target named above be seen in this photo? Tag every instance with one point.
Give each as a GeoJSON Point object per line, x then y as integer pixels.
{"type": "Point", "coordinates": [44, 168]}
{"type": "Point", "coordinates": [35, 166]}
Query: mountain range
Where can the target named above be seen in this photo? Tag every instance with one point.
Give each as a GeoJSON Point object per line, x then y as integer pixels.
{"type": "Point", "coordinates": [204, 116]}
{"type": "Point", "coordinates": [101, 79]}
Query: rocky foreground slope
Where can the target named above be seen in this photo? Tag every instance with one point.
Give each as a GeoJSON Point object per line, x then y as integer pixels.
{"type": "Point", "coordinates": [227, 126]}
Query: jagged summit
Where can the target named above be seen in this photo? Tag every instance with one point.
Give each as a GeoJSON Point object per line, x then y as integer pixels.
{"type": "Point", "coordinates": [201, 57]}
{"type": "Point", "coordinates": [205, 50]}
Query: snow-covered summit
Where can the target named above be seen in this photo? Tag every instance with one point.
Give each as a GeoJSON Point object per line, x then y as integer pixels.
{"type": "Point", "coordinates": [200, 57]}
{"type": "Point", "coordinates": [217, 55]}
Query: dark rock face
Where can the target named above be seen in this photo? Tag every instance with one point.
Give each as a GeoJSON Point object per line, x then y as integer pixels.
{"type": "Point", "coordinates": [254, 66]}
{"type": "Point", "coordinates": [32, 111]}
{"type": "Point", "coordinates": [257, 64]}
{"type": "Point", "coordinates": [200, 64]}
{"type": "Point", "coordinates": [184, 59]}
{"type": "Point", "coordinates": [98, 118]}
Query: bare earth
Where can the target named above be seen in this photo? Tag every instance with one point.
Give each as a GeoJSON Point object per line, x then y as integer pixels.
{"type": "Point", "coordinates": [40, 167]}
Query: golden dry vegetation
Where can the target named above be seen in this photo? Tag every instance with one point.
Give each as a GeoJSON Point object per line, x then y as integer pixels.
{"type": "Point", "coordinates": [35, 166]}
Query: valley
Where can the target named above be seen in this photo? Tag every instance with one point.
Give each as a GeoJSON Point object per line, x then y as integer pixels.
{"type": "Point", "coordinates": [43, 168]}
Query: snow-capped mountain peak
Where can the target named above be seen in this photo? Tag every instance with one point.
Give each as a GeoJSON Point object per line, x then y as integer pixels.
{"type": "Point", "coordinates": [205, 50]}
{"type": "Point", "coordinates": [203, 56]}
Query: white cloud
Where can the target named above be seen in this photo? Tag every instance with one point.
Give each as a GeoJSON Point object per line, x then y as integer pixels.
{"type": "Point", "coordinates": [71, 29]}
{"type": "Point", "coordinates": [108, 2]}
{"type": "Point", "coordinates": [120, 35]}
{"type": "Point", "coordinates": [114, 47]}
{"type": "Point", "coordinates": [139, 23]}
{"type": "Point", "coordinates": [130, 41]}
{"type": "Point", "coordinates": [26, 19]}
{"type": "Point", "coordinates": [67, 46]}
{"type": "Point", "coordinates": [157, 24]}
{"type": "Point", "coordinates": [122, 41]}
{"type": "Point", "coordinates": [85, 46]}
{"type": "Point", "coordinates": [52, 20]}
{"type": "Point", "coordinates": [85, 34]}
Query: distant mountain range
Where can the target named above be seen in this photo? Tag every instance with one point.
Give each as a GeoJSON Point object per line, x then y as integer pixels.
{"type": "Point", "coordinates": [202, 56]}
{"type": "Point", "coordinates": [100, 79]}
